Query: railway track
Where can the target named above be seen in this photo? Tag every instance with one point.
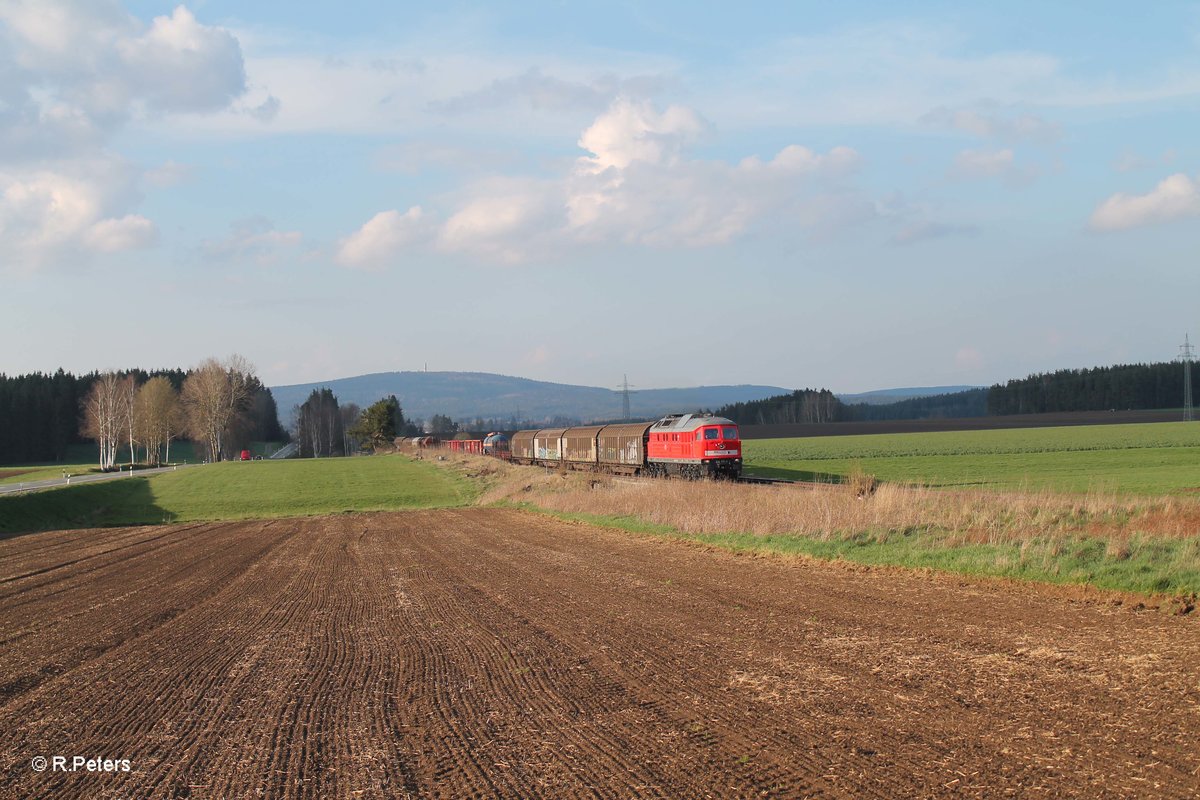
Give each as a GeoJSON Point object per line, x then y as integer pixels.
{"type": "Point", "coordinates": [756, 479]}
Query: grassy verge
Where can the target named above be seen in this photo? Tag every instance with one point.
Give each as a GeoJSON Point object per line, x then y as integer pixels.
{"type": "Point", "coordinates": [27, 473]}
{"type": "Point", "coordinates": [234, 490]}
{"type": "Point", "coordinates": [1141, 565]}
{"type": "Point", "coordinates": [1148, 546]}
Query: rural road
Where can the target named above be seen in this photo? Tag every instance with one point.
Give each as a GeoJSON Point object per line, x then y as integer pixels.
{"type": "Point", "coordinates": [74, 480]}
{"type": "Point", "coordinates": [495, 653]}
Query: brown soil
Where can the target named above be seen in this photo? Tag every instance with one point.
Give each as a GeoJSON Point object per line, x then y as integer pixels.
{"type": "Point", "coordinates": [491, 653]}
{"type": "Point", "coordinates": [12, 473]}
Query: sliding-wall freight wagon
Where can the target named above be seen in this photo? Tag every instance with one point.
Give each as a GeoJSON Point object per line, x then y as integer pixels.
{"type": "Point", "coordinates": [686, 445]}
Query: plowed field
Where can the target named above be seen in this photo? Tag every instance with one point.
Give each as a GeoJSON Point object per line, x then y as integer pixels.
{"type": "Point", "coordinates": [491, 653]}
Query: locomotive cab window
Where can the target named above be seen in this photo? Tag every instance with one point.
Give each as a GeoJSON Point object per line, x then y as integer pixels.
{"type": "Point", "coordinates": [712, 433]}
{"type": "Point", "coordinates": [730, 433]}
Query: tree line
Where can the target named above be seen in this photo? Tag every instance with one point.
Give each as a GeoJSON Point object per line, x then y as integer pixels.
{"type": "Point", "coordinates": [800, 406]}
{"type": "Point", "coordinates": [220, 406]}
{"type": "Point", "coordinates": [814, 406]}
{"type": "Point", "coordinates": [325, 428]}
{"type": "Point", "coordinates": [1122, 386]}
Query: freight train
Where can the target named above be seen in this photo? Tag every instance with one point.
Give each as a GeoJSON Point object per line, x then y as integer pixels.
{"type": "Point", "coordinates": [684, 445]}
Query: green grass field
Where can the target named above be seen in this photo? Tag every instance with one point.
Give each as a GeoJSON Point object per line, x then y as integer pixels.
{"type": "Point", "coordinates": [237, 490]}
{"type": "Point", "coordinates": [82, 459]}
{"type": "Point", "coordinates": [1146, 459]}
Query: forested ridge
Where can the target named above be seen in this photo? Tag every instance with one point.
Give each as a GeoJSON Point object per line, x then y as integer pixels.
{"type": "Point", "coordinates": [821, 405]}
{"type": "Point", "coordinates": [1121, 387]}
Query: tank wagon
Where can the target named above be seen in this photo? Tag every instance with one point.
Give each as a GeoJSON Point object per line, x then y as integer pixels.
{"type": "Point", "coordinates": [495, 444]}
{"type": "Point", "coordinates": [684, 445]}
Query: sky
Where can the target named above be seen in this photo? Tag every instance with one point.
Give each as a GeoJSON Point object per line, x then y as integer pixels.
{"type": "Point", "coordinates": [804, 194]}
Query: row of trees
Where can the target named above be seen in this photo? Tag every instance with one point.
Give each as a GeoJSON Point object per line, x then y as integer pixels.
{"type": "Point", "coordinates": [802, 405]}
{"type": "Point", "coordinates": [820, 405]}
{"type": "Point", "coordinates": [220, 405]}
{"type": "Point", "coordinates": [1136, 386]}
{"type": "Point", "coordinates": [325, 428]}
{"type": "Point", "coordinates": [40, 413]}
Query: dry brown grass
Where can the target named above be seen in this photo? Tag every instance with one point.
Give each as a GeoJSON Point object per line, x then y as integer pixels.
{"type": "Point", "coordinates": [837, 510]}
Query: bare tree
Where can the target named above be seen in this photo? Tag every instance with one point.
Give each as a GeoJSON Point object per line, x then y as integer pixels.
{"type": "Point", "coordinates": [127, 396]}
{"type": "Point", "coordinates": [159, 418]}
{"type": "Point", "coordinates": [102, 416]}
{"type": "Point", "coordinates": [350, 414]}
{"type": "Point", "coordinates": [319, 426]}
{"type": "Point", "coordinates": [214, 394]}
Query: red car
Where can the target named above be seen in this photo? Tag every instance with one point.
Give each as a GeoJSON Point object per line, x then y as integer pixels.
{"type": "Point", "coordinates": [245, 455]}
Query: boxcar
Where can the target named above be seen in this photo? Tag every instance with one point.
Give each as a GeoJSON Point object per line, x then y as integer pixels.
{"type": "Point", "coordinates": [622, 448]}
{"type": "Point", "coordinates": [579, 445]}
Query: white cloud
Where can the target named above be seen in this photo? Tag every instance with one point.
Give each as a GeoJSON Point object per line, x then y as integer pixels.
{"type": "Point", "coordinates": [181, 65]}
{"type": "Point", "coordinates": [382, 239]}
{"type": "Point", "coordinates": [638, 187]}
{"type": "Point", "coordinates": [76, 209]}
{"type": "Point", "coordinates": [630, 132]}
{"type": "Point", "coordinates": [976, 164]}
{"type": "Point", "coordinates": [255, 239]}
{"type": "Point", "coordinates": [985, 125]}
{"type": "Point", "coordinates": [534, 89]}
{"type": "Point", "coordinates": [922, 231]}
{"type": "Point", "coordinates": [507, 220]}
{"type": "Point", "coordinates": [71, 75]}
{"type": "Point", "coordinates": [170, 173]}
{"type": "Point", "coordinates": [1176, 197]}
{"type": "Point", "coordinates": [116, 235]}
{"type": "Point", "coordinates": [983, 163]}
{"type": "Point", "coordinates": [94, 59]}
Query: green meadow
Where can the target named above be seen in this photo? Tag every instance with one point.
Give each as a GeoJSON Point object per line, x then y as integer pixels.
{"type": "Point", "coordinates": [240, 490]}
{"type": "Point", "coordinates": [1146, 459]}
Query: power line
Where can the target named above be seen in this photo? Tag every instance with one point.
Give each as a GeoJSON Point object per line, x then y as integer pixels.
{"type": "Point", "coordinates": [625, 387]}
{"type": "Point", "coordinates": [1185, 355]}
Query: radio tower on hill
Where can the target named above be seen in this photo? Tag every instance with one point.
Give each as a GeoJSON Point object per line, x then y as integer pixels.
{"type": "Point", "coordinates": [625, 387]}
{"type": "Point", "coordinates": [1185, 355]}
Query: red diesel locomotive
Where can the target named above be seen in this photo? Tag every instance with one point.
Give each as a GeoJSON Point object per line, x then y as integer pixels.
{"type": "Point", "coordinates": [685, 445]}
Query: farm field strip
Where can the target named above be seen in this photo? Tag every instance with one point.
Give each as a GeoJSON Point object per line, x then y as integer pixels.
{"type": "Point", "coordinates": [1136, 458]}
{"type": "Point", "coordinates": [495, 653]}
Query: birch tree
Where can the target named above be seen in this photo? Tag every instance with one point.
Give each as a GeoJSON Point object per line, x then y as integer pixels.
{"type": "Point", "coordinates": [213, 396]}
{"type": "Point", "coordinates": [102, 416]}
{"type": "Point", "coordinates": [159, 418]}
{"type": "Point", "coordinates": [127, 399]}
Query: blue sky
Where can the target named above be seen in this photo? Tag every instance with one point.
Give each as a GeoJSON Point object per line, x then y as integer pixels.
{"type": "Point", "coordinates": [852, 196]}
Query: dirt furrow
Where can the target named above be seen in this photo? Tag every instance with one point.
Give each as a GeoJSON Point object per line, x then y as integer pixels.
{"type": "Point", "coordinates": [492, 653]}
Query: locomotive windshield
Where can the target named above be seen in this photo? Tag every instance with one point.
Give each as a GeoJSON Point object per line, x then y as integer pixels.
{"type": "Point", "coordinates": [712, 433]}
{"type": "Point", "coordinates": [730, 433]}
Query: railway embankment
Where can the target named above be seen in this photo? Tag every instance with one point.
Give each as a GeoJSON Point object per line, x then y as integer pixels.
{"type": "Point", "coordinates": [1146, 546]}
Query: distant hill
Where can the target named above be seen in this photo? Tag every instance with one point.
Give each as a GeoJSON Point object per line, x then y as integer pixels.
{"type": "Point", "coordinates": [884, 396]}
{"type": "Point", "coordinates": [467, 395]}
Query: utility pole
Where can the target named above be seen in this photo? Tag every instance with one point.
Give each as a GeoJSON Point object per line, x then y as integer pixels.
{"type": "Point", "coordinates": [625, 387]}
{"type": "Point", "coordinates": [1185, 355]}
